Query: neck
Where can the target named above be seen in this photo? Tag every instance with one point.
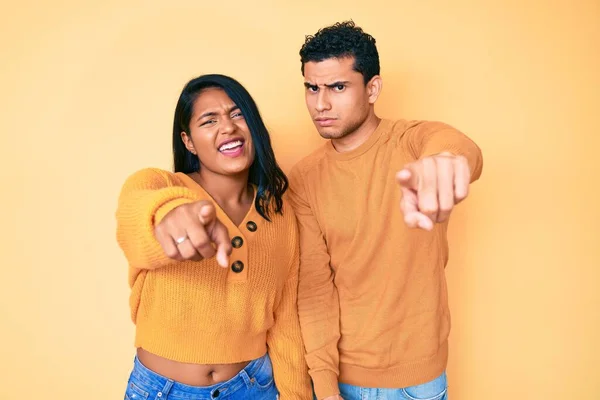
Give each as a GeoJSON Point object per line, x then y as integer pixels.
{"type": "Point", "coordinates": [358, 136]}
{"type": "Point", "coordinates": [226, 190]}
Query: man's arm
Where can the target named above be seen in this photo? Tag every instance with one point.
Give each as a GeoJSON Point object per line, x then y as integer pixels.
{"type": "Point", "coordinates": [447, 163]}
{"type": "Point", "coordinates": [318, 302]}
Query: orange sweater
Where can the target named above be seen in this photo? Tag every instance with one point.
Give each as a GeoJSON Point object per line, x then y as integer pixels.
{"type": "Point", "coordinates": [372, 294]}
{"type": "Point", "coordinates": [198, 312]}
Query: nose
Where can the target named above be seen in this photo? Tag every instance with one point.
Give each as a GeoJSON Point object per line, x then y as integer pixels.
{"type": "Point", "coordinates": [227, 126]}
{"type": "Point", "coordinates": [323, 103]}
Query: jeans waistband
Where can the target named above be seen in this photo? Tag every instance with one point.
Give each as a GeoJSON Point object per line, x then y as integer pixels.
{"type": "Point", "coordinates": [174, 388]}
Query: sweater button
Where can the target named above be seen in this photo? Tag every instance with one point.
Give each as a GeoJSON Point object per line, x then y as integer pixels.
{"type": "Point", "coordinates": [237, 266]}
{"type": "Point", "coordinates": [251, 226]}
{"type": "Point", "coordinates": [237, 242]}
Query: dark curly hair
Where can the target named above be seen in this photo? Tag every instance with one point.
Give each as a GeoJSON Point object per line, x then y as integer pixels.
{"type": "Point", "coordinates": [343, 39]}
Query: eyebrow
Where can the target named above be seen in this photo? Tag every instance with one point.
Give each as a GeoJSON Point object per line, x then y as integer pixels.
{"type": "Point", "coordinates": [329, 85]}
{"type": "Point", "coordinates": [213, 113]}
{"type": "Point", "coordinates": [337, 83]}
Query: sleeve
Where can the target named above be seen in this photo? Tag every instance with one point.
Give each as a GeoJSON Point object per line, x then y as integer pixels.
{"type": "Point", "coordinates": [284, 339]}
{"type": "Point", "coordinates": [318, 301]}
{"type": "Point", "coordinates": [145, 198]}
{"type": "Point", "coordinates": [427, 138]}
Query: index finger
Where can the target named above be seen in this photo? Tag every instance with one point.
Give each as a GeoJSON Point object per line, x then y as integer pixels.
{"type": "Point", "coordinates": [408, 177]}
{"type": "Point", "coordinates": [220, 236]}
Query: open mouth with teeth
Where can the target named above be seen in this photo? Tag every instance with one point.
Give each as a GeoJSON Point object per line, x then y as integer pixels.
{"type": "Point", "coordinates": [233, 148]}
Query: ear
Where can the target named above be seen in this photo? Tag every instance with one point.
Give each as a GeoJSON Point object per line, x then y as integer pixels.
{"type": "Point", "coordinates": [187, 141]}
{"type": "Point", "coordinates": [374, 87]}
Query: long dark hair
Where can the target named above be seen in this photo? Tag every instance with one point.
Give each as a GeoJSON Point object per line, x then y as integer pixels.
{"type": "Point", "coordinates": [264, 171]}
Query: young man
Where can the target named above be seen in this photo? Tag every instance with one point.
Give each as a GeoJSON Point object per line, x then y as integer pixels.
{"type": "Point", "coordinates": [373, 206]}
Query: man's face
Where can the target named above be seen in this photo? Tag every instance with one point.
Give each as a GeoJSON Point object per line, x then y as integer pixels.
{"type": "Point", "coordinates": [336, 96]}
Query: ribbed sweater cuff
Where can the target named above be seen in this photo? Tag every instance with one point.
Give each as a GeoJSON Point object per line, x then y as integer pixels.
{"type": "Point", "coordinates": [168, 207]}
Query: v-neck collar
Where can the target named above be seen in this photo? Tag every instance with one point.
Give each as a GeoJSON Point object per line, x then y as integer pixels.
{"type": "Point", "coordinates": [252, 214]}
{"type": "Point", "coordinates": [245, 233]}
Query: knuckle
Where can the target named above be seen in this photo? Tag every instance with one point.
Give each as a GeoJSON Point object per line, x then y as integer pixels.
{"type": "Point", "coordinates": [203, 245]}
{"type": "Point", "coordinates": [188, 254]}
{"type": "Point", "coordinates": [171, 253]}
{"type": "Point", "coordinates": [207, 253]}
{"type": "Point", "coordinates": [178, 211]}
{"type": "Point", "coordinates": [190, 212]}
{"type": "Point", "coordinates": [461, 195]}
{"type": "Point", "coordinates": [444, 161]}
{"type": "Point", "coordinates": [446, 208]}
{"type": "Point", "coordinates": [171, 224]}
{"type": "Point", "coordinates": [429, 209]}
{"type": "Point", "coordinates": [222, 229]}
{"type": "Point", "coordinates": [197, 243]}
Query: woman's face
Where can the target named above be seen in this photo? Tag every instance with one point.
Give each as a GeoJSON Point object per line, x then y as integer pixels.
{"type": "Point", "coordinates": [219, 135]}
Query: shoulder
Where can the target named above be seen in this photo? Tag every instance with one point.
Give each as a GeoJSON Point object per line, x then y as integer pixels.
{"type": "Point", "coordinates": [150, 174]}
{"type": "Point", "coordinates": [405, 131]}
{"type": "Point", "coordinates": [309, 162]}
{"type": "Point", "coordinates": [420, 126]}
{"type": "Point", "coordinates": [287, 216]}
{"type": "Point", "coordinates": [151, 178]}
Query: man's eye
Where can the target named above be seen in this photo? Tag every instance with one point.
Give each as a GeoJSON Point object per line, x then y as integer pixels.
{"type": "Point", "coordinates": [313, 89]}
{"type": "Point", "coordinates": [339, 88]}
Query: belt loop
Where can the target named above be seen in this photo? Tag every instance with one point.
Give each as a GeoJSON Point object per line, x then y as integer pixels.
{"type": "Point", "coordinates": [164, 393]}
{"type": "Point", "coordinates": [246, 378]}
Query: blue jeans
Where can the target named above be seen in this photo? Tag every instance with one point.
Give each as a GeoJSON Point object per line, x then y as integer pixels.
{"type": "Point", "coordinates": [432, 390]}
{"type": "Point", "coordinates": [253, 382]}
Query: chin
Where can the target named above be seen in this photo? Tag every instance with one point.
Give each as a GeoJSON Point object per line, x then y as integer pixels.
{"type": "Point", "coordinates": [330, 132]}
{"type": "Point", "coordinates": [330, 135]}
{"type": "Point", "coordinates": [236, 169]}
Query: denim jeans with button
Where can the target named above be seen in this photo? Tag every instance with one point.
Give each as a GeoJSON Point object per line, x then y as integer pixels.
{"type": "Point", "coordinates": [253, 382]}
{"type": "Point", "coordinates": [436, 389]}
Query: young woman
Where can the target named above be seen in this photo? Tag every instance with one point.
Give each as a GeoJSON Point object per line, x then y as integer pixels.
{"type": "Point", "coordinates": [213, 259]}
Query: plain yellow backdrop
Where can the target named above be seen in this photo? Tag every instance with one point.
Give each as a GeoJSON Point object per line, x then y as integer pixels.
{"type": "Point", "coordinates": [87, 93]}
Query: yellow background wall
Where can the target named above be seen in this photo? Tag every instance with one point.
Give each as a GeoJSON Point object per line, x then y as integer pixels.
{"type": "Point", "coordinates": [87, 93]}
